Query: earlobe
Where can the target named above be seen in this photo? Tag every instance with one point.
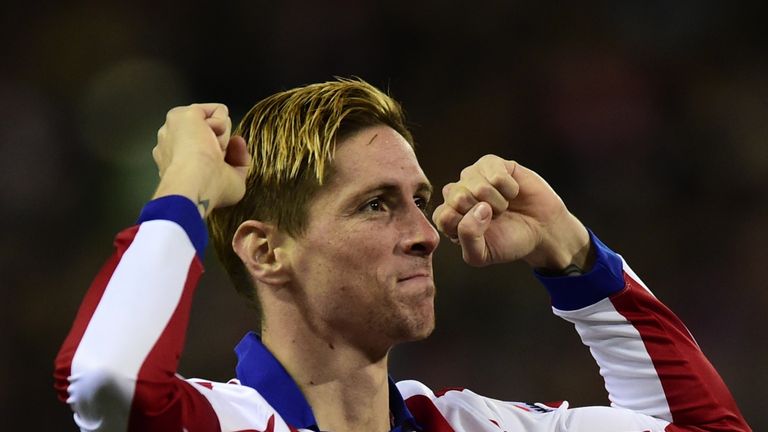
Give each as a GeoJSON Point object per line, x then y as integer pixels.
{"type": "Point", "coordinates": [259, 246]}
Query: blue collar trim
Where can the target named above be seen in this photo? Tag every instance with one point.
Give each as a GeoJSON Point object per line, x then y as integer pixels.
{"type": "Point", "coordinates": [259, 369]}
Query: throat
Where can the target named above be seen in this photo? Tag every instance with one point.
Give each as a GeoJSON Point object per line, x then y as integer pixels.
{"type": "Point", "coordinates": [358, 401]}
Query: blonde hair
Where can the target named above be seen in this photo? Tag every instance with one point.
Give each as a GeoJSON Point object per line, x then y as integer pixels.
{"type": "Point", "coordinates": [292, 136]}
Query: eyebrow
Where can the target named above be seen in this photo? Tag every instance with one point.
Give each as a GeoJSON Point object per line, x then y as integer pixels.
{"type": "Point", "coordinates": [390, 188]}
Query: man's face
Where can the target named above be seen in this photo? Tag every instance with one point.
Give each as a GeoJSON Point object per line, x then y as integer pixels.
{"type": "Point", "coordinates": [364, 263]}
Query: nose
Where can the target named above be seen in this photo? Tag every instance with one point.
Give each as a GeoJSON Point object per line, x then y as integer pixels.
{"type": "Point", "coordinates": [421, 238]}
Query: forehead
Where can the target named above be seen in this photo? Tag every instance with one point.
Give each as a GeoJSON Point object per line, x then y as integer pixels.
{"type": "Point", "coordinates": [375, 155]}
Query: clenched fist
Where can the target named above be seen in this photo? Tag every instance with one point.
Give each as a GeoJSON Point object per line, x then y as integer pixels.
{"type": "Point", "coordinates": [197, 157]}
{"type": "Point", "coordinates": [500, 211]}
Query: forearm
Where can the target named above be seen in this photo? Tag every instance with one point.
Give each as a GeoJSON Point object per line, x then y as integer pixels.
{"type": "Point", "coordinates": [649, 360]}
{"type": "Point", "coordinates": [185, 180]}
{"type": "Point", "coordinates": [122, 352]}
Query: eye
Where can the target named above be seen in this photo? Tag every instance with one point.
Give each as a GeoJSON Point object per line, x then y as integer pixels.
{"type": "Point", "coordinates": [374, 205]}
{"type": "Point", "coordinates": [421, 202]}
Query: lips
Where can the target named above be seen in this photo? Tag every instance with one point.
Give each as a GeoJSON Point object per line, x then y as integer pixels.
{"type": "Point", "coordinates": [414, 276]}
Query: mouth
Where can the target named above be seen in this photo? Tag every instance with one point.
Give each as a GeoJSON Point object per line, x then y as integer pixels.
{"type": "Point", "coordinates": [419, 284]}
{"type": "Point", "coordinates": [415, 276]}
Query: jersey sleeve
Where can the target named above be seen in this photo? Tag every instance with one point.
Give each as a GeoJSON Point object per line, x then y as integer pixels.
{"type": "Point", "coordinates": [649, 360]}
{"type": "Point", "coordinates": [117, 366]}
{"type": "Point", "coordinates": [656, 376]}
{"type": "Point", "coordinates": [458, 409]}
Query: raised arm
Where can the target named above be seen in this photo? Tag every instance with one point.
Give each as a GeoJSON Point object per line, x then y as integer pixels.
{"type": "Point", "coordinates": [500, 211]}
{"type": "Point", "coordinates": [116, 368]}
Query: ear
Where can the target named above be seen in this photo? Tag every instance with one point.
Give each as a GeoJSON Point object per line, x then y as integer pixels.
{"type": "Point", "coordinates": [259, 245]}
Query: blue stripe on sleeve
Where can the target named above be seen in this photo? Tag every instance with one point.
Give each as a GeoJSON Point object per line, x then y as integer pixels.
{"type": "Point", "coordinates": [181, 210]}
{"type": "Point", "coordinates": [605, 278]}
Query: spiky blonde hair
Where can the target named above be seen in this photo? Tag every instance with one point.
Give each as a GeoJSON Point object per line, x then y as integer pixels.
{"type": "Point", "coordinates": [292, 136]}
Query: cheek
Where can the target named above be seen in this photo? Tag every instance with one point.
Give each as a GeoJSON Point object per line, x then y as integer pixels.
{"type": "Point", "coordinates": [350, 258]}
{"type": "Point", "coordinates": [359, 255]}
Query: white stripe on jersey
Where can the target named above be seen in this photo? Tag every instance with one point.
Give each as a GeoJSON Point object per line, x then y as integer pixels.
{"type": "Point", "coordinates": [135, 308]}
{"type": "Point", "coordinates": [625, 364]}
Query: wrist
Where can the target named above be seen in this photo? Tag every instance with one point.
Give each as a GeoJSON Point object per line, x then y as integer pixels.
{"type": "Point", "coordinates": [566, 246]}
{"type": "Point", "coordinates": [187, 182]}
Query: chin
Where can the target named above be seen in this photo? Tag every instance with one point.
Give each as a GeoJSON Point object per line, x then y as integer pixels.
{"type": "Point", "coordinates": [426, 333]}
{"type": "Point", "coordinates": [412, 322]}
{"type": "Point", "coordinates": [419, 329]}
{"type": "Point", "coordinates": [426, 324]}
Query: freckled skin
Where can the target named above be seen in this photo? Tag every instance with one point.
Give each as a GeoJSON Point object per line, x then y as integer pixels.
{"type": "Point", "coordinates": [364, 262]}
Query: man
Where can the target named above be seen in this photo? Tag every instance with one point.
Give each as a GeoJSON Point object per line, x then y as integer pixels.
{"type": "Point", "coordinates": [317, 208]}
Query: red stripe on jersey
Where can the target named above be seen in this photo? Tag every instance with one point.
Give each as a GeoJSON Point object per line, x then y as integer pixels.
{"type": "Point", "coordinates": [162, 401]}
{"type": "Point", "coordinates": [63, 362]}
{"type": "Point", "coordinates": [695, 393]}
{"type": "Point", "coordinates": [270, 427]}
{"type": "Point", "coordinates": [206, 384]}
{"type": "Point", "coordinates": [427, 415]}
{"type": "Point", "coordinates": [442, 392]}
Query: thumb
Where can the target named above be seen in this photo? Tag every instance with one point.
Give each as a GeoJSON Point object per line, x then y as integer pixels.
{"type": "Point", "coordinates": [237, 153]}
{"type": "Point", "coordinates": [235, 170]}
{"type": "Point", "coordinates": [471, 232]}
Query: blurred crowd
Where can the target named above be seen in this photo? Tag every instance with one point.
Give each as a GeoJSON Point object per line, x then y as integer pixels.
{"type": "Point", "coordinates": [649, 118]}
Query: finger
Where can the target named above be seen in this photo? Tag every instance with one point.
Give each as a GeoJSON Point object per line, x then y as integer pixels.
{"type": "Point", "coordinates": [525, 177]}
{"type": "Point", "coordinates": [447, 220]}
{"type": "Point", "coordinates": [504, 183]}
{"type": "Point", "coordinates": [158, 163]}
{"type": "Point", "coordinates": [220, 116]}
{"type": "Point", "coordinates": [498, 172]}
{"type": "Point", "coordinates": [156, 155]}
{"type": "Point", "coordinates": [239, 162]}
{"type": "Point", "coordinates": [228, 131]}
{"type": "Point", "coordinates": [161, 133]}
{"type": "Point", "coordinates": [219, 125]}
{"type": "Point", "coordinates": [482, 190]}
{"type": "Point", "coordinates": [212, 109]}
{"type": "Point", "coordinates": [234, 181]}
{"type": "Point", "coordinates": [471, 233]}
{"type": "Point", "coordinates": [458, 197]}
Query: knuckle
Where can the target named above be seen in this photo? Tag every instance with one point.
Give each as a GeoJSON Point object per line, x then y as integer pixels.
{"type": "Point", "coordinates": [437, 211]}
{"type": "Point", "coordinates": [447, 189]}
{"type": "Point", "coordinates": [488, 158]}
{"type": "Point", "coordinates": [469, 258]}
{"type": "Point", "coordinates": [466, 172]}
{"type": "Point", "coordinates": [174, 112]}
{"type": "Point", "coordinates": [191, 111]}
{"type": "Point", "coordinates": [457, 200]}
{"type": "Point", "coordinates": [439, 220]}
{"type": "Point", "coordinates": [484, 191]}
{"type": "Point", "coordinates": [498, 179]}
{"type": "Point", "coordinates": [446, 223]}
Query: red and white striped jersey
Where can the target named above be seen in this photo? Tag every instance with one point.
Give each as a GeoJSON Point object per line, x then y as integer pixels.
{"type": "Point", "coordinates": [117, 367]}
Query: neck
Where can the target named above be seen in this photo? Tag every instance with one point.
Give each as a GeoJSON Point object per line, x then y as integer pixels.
{"type": "Point", "coordinates": [347, 387]}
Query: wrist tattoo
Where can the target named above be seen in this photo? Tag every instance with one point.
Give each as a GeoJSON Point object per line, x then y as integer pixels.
{"type": "Point", "coordinates": [572, 270]}
{"type": "Point", "coordinates": [569, 270]}
{"type": "Point", "coordinates": [204, 203]}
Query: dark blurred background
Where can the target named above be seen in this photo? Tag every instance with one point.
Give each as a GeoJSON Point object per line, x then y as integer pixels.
{"type": "Point", "coordinates": [650, 119]}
